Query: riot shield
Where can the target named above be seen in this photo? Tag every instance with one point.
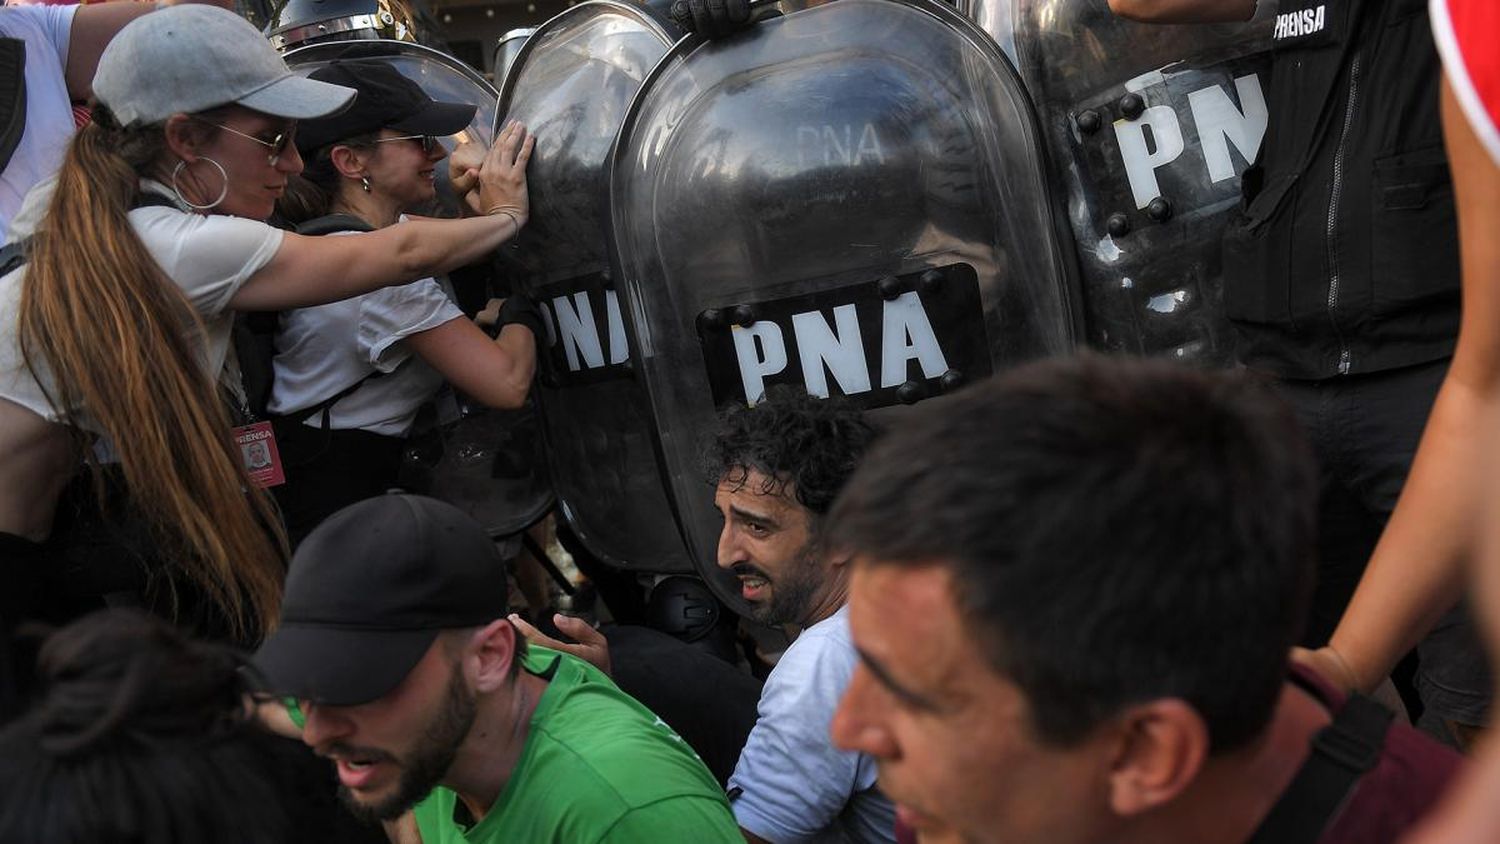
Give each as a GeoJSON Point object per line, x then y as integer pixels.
{"type": "Point", "coordinates": [850, 199]}
{"type": "Point", "coordinates": [442, 76]}
{"type": "Point", "coordinates": [1149, 128]}
{"type": "Point", "coordinates": [506, 51]}
{"type": "Point", "coordinates": [487, 462]}
{"type": "Point", "coordinates": [570, 84]}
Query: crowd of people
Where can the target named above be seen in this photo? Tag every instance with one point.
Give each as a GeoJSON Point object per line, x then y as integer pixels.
{"type": "Point", "coordinates": [1088, 599]}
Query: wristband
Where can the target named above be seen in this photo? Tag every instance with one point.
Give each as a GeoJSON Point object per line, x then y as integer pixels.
{"type": "Point", "coordinates": [519, 309]}
{"type": "Point", "coordinates": [507, 211]}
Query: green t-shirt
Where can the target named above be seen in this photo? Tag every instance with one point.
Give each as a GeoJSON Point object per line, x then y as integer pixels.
{"type": "Point", "coordinates": [597, 767]}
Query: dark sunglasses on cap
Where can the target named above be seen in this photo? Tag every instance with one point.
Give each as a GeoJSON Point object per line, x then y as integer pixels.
{"type": "Point", "coordinates": [276, 144]}
{"type": "Point", "coordinates": [429, 143]}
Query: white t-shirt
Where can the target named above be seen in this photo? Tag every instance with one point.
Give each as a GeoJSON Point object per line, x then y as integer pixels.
{"type": "Point", "coordinates": [795, 785]}
{"type": "Point", "coordinates": [49, 112]}
{"type": "Point", "coordinates": [322, 351]}
{"type": "Point", "coordinates": [209, 257]}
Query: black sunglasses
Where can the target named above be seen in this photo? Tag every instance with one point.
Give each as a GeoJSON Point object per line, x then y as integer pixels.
{"type": "Point", "coordinates": [429, 143]}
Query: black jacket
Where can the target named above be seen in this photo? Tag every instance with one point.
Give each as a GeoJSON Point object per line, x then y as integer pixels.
{"type": "Point", "coordinates": [1344, 257]}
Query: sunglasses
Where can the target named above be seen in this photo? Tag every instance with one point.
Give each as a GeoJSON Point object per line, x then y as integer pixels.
{"type": "Point", "coordinates": [429, 143]}
{"type": "Point", "coordinates": [277, 144]}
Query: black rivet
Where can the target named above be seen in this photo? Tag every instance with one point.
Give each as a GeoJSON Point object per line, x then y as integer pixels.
{"type": "Point", "coordinates": [952, 380]}
{"type": "Point", "coordinates": [890, 287]}
{"type": "Point", "coordinates": [710, 320]}
{"type": "Point", "coordinates": [1118, 225]}
{"type": "Point", "coordinates": [911, 392]}
{"type": "Point", "coordinates": [1160, 209]}
{"type": "Point", "coordinates": [931, 281]}
{"type": "Point", "coordinates": [1089, 122]}
{"type": "Point", "coordinates": [742, 315]}
{"type": "Point", "coordinates": [1132, 106]}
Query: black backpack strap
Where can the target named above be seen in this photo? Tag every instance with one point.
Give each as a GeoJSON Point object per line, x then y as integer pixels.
{"type": "Point", "coordinates": [13, 255]}
{"type": "Point", "coordinates": [297, 417]}
{"type": "Point", "coordinates": [329, 224]}
{"type": "Point", "coordinates": [1342, 753]}
{"type": "Point", "coordinates": [332, 223]}
{"type": "Point", "coordinates": [152, 199]}
{"type": "Point", "coordinates": [12, 97]}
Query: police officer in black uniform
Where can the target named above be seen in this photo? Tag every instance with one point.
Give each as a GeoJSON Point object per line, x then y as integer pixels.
{"type": "Point", "coordinates": [1342, 279]}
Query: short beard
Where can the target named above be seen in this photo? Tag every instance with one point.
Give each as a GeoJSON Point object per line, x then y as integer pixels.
{"type": "Point", "coordinates": [430, 761]}
{"type": "Point", "coordinates": [792, 596]}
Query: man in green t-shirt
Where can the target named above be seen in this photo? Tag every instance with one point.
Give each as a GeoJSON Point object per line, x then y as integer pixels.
{"type": "Point", "coordinates": [441, 722]}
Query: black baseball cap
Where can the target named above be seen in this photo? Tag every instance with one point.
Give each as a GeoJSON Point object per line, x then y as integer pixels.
{"type": "Point", "coordinates": [386, 100]}
{"type": "Point", "coordinates": [370, 589]}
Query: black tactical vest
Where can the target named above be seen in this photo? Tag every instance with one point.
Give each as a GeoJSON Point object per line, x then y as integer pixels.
{"type": "Point", "coordinates": [1344, 256]}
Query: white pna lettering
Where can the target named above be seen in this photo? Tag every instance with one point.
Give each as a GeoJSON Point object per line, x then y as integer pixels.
{"type": "Point", "coordinates": [837, 349]}
{"type": "Point", "coordinates": [828, 145]}
{"type": "Point", "coordinates": [571, 322]}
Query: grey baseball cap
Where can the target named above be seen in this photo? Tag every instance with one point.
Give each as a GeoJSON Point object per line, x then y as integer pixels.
{"type": "Point", "coordinates": [193, 57]}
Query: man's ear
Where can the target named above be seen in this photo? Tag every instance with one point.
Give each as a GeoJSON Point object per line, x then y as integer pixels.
{"type": "Point", "coordinates": [349, 161]}
{"type": "Point", "coordinates": [494, 650]}
{"type": "Point", "coordinates": [1161, 748]}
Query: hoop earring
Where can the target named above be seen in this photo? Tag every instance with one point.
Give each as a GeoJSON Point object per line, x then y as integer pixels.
{"type": "Point", "coordinates": [177, 171]}
{"type": "Point", "coordinates": [364, 182]}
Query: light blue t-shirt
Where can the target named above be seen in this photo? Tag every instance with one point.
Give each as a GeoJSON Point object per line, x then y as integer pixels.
{"type": "Point", "coordinates": [795, 785]}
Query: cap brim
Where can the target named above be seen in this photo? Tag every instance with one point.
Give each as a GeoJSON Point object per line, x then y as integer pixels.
{"type": "Point", "coordinates": [338, 667]}
{"type": "Point", "coordinates": [298, 98]}
{"type": "Point", "coordinates": [437, 119]}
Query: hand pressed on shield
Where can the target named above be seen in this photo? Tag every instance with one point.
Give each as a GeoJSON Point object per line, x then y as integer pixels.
{"type": "Point", "coordinates": [463, 166]}
{"type": "Point", "coordinates": [591, 645]}
{"type": "Point", "coordinates": [502, 175]}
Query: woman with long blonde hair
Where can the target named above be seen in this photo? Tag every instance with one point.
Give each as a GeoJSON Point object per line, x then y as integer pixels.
{"type": "Point", "coordinates": [114, 329]}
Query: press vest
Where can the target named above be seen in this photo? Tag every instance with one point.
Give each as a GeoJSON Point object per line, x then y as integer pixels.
{"type": "Point", "coordinates": [1344, 255]}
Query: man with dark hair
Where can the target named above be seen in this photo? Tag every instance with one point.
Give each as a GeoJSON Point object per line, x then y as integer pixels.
{"type": "Point", "coordinates": [778, 466]}
{"type": "Point", "coordinates": [394, 638]}
{"type": "Point", "coordinates": [1074, 592]}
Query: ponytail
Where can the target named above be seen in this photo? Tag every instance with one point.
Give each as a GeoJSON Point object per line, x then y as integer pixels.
{"type": "Point", "coordinates": [311, 194]}
{"type": "Point", "coordinates": [117, 336]}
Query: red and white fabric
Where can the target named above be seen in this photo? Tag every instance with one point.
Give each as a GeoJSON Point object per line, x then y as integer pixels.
{"type": "Point", "coordinates": [1468, 39]}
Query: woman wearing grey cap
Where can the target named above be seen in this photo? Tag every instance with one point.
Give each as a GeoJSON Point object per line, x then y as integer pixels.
{"type": "Point", "coordinates": [349, 377]}
{"type": "Point", "coordinates": [115, 325]}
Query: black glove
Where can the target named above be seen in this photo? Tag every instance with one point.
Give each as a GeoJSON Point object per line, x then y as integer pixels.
{"type": "Point", "coordinates": [519, 308]}
{"type": "Point", "coordinates": [711, 18]}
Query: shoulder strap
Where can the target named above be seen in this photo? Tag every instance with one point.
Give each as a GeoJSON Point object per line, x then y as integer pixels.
{"type": "Point", "coordinates": [152, 199]}
{"type": "Point", "coordinates": [1342, 753]}
{"type": "Point", "coordinates": [12, 97]}
{"type": "Point", "coordinates": [13, 255]}
{"type": "Point", "coordinates": [330, 223]}
{"type": "Point", "coordinates": [297, 417]}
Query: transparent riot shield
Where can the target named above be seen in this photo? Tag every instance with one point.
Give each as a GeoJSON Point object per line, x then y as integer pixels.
{"type": "Point", "coordinates": [486, 462]}
{"type": "Point", "coordinates": [506, 51]}
{"type": "Point", "coordinates": [441, 76]}
{"type": "Point", "coordinates": [851, 200]}
{"type": "Point", "coordinates": [570, 84]}
{"type": "Point", "coordinates": [1149, 128]}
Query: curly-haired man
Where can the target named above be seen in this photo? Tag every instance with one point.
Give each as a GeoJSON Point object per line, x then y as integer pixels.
{"type": "Point", "coordinates": [778, 466]}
